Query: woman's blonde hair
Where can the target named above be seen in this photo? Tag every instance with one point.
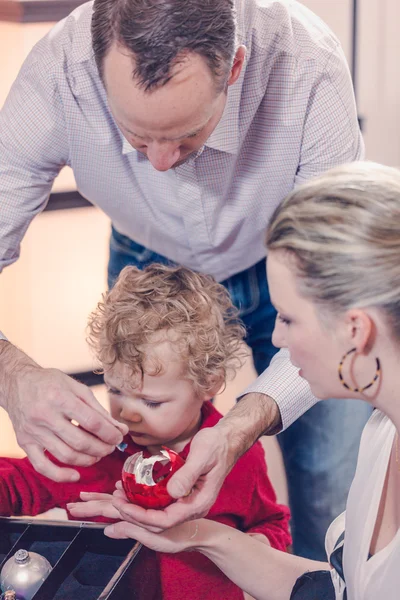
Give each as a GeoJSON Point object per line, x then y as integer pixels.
{"type": "Point", "coordinates": [193, 311]}
{"type": "Point", "coordinates": [343, 231]}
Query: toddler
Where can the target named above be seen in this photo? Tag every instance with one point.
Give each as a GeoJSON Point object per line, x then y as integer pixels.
{"type": "Point", "coordinates": [167, 340]}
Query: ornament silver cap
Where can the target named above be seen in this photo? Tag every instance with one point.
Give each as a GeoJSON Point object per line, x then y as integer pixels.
{"type": "Point", "coordinates": [21, 556]}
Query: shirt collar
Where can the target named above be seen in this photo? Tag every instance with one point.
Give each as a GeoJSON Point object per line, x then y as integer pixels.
{"type": "Point", "coordinates": [126, 147]}
{"type": "Point", "coordinates": [225, 136]}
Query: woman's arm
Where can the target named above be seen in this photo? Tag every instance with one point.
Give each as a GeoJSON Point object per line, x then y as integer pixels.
{"type": "Point", "coordinates": [258, 569]}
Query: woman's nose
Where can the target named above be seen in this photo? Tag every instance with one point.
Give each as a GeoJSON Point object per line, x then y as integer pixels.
{"type": "Point", "coordinates": [278, 335]}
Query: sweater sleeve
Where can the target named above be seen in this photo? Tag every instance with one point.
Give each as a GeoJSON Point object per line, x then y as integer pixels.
{"type": "Point", "coordinates": [23, 491]}
{"type": "Point", "coordinates": [264, 514]}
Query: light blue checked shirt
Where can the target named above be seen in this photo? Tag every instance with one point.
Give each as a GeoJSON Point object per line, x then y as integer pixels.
{"type": "Point", "coordinates": [290, 116]}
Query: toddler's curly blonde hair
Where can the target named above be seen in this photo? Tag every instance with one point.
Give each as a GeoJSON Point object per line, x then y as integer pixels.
{"type": "Point", "coordinates": [193, 311]}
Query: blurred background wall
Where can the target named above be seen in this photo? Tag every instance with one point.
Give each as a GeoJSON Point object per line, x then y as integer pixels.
{"type": "Point", "coordinates": [46, 296]}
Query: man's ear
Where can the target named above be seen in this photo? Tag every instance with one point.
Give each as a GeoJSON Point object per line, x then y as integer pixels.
{"type": "Point", "coordinates": [360, 329]}
{"type": "Point", "coordinates": [237, 66]}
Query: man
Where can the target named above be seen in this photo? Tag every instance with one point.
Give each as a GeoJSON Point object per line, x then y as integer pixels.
{"type": "Point", "coordinates": [187, 125]}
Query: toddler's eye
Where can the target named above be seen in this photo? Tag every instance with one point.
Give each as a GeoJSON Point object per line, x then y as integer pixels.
{"type": "Point", "coordinates": [151, 404]}
{"type": "Point", "coordinates": [114, 391]}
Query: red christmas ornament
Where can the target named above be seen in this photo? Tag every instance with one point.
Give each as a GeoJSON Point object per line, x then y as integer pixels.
{"type": "Point", "coordinates": [145, 478]}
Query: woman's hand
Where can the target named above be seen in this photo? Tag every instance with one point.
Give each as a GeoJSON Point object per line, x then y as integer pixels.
{"type": "Point", "coordinates": [177, 539]}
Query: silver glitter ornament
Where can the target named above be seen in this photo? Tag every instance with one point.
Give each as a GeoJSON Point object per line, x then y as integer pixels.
{"type": "Point", "coordinates": [24, 573]}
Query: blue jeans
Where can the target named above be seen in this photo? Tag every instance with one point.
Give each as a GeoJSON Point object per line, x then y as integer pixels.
{"type": "Point", "coordinates": [320, 449]}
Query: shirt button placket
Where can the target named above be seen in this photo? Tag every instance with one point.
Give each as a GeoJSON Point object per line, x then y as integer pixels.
{"type": "Point", "coordinates": [190, 198]}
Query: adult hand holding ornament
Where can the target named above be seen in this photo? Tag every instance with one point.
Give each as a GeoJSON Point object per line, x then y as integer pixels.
{"type": "Point", "coordinates": [144, 483]}
{"type": "Point", "coordinates": [145, 478]}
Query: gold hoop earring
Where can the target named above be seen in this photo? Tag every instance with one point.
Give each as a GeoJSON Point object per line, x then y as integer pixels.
{"type": "Point", "coordinates": [357, 389]}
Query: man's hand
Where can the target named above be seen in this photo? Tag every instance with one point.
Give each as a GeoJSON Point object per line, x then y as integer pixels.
{"type": "Point", "coordinates": [42, 403]}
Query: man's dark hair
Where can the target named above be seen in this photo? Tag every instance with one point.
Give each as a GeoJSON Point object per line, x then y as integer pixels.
{"type": "Point", "coordinates": [160, 33]}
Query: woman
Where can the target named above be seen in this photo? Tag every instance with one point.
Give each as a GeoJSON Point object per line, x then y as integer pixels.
{"type": "Point", "coordinates": [334, 275]}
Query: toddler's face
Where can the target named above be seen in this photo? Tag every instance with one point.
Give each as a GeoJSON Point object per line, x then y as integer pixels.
{"type": "Point", "coordinates": [164, 409]}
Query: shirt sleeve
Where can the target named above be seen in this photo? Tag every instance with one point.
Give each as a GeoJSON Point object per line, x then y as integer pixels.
{"type": "Point", "coordinates": [331, 133]}
{"type": "Point", "coordinates": [331, 137]}
{"type": "Point", "coordinates": [33, 148]}
{"type": "Point", "coordinates": [265, 515]}
{"type": "Point", "coordinates": [281, 381]}
{"type": "Point", "coordinates": [23, 491]}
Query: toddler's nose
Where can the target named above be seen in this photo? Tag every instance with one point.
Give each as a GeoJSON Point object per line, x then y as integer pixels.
{"type": "Point", "coordinates": [129, 416]}
{"type": "Point", "coordinates": [135, 418]}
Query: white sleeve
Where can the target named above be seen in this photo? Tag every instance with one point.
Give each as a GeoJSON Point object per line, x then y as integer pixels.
{"type": "Point", "coordinates": [281, 381]}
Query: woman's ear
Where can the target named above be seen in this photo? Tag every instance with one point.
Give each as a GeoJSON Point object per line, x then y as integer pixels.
{"type": "Point", "coordinates": [360, 329]}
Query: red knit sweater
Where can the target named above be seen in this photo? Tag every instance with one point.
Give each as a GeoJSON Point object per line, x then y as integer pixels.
{"type": "Point", "coordinates": [246, 501]}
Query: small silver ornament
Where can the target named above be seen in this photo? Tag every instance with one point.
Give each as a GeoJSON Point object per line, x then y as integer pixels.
{"type": "Point", "coordinates": [24, 573]}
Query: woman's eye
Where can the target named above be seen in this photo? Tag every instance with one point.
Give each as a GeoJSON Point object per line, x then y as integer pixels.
{"type": "Point", "coordinates": [283, 320]}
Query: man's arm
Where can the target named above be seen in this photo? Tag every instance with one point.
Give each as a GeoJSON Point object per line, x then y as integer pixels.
{"type": "Point", "coordinates": [33, 149]}
{"type": "Point", "coordinates": [41, 402]}
{"type": "Point", "coordinates": [291, 395]}
{"type": "Point", "coordinates": [331, 133]}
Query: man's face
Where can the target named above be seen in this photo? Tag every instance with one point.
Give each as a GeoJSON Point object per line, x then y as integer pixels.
{"type": "Point", "coordinates": [169, 123]}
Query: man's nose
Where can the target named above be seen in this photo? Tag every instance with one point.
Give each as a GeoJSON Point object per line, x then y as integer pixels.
{"type": "Point", "coordinates": [163, 156]}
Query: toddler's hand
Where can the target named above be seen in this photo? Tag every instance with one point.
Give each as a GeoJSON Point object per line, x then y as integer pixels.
{"type": "Point", "coordinates": [94, 505]}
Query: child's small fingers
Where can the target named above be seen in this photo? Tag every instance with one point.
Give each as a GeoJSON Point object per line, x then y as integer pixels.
{"type": "Point", "coordinates": [93, 509]}
{"type": "Point", "coordinates": [119, 494]}
{"type": "Point", "coordinates": [88, 496]}
{"type": "Point", "coordinates": [78, 511]}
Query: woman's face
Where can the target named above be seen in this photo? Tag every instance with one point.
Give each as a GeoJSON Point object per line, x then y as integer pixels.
{"type": "Point", "coordinates": [314, 348]}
